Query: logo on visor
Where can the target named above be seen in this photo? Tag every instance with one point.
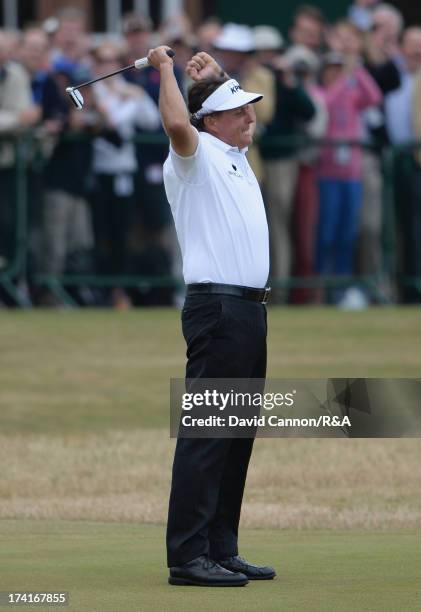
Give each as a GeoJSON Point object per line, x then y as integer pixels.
{"type": "Point", "coordinates": [235, 88]}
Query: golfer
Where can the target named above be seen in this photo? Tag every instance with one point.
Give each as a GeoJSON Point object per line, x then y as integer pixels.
{"type": "Point", "coordinates": [222, 230]}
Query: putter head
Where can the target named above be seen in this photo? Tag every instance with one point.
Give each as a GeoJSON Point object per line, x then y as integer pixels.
{"type": "Point", "coordinates": [75, 96]}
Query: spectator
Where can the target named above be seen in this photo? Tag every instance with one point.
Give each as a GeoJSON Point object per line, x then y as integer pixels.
{"type": "Point", "coordinates": [71, 42]}
{"type": "Point", "coordinates": [403, 120]}
{"type": "Point", "coordinates": [293, 108]}
{"type": "Point", "coordinates": [308, 27]}
{"type": "Point", "coordinates": [178, 25]}
{"type": "Point", "coordinates": [389, 23]}
{"type": "Point", "coordinates": [137, 30]}
{"type": "Point", "coordinates": [177, 33]}
{"type": "Point", "coordinates": [235, 49]}
{"type": "Point", "coordinates": [46, 96]}
{"type": "Point", "coordinates": [305, 65]}
{"type": "Point", "coordinates": [268, 44]}
{"type": "Point", "coordinates": [413, 252]}
{"type": "Point", "coordinates": [17, 112]}
{"type": "Point", "coordinates": [66, 223]}
{"type": "Point", "coordinates": [184, 46]}
{"type": "Point", "coordinates": [34, 57]}
{"type": "Point", "coordinates": [13, 38]}
{"type": "Point", "coordinates": [154, 224]}
{"type": "Point", "coordinates": [207, 32]}
{"type": "Point", "coordinates": [348, 89]}
{"type": "Point", "coordinates": [378, 60]}
{"type": "Point", "coordinates": [123, 106]}
{"type": "Point", "coordinates": [399, 104]}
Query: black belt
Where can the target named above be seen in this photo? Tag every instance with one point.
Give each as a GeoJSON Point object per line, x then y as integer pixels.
{"type": "Point", "coordinates": [248, 293]}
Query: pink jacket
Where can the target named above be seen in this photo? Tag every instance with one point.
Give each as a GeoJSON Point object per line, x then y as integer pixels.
{"type": "Point", "coordinates": [345, 99]}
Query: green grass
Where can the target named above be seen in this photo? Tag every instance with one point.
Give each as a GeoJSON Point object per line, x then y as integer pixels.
{"type": "Point", "coordinates": [67, 371]}
{"type": "Point", "coordinates": [84, 435]}
{"type": "Point", "coordinates": [119, 568]}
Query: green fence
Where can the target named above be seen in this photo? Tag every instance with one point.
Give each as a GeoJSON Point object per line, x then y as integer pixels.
{"type": "Point", "coordinates": [13, 275]}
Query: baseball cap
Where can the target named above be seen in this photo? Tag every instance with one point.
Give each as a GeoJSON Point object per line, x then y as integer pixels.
{"type": "Point", "coordinates": [229, 95]}
{"type": "Point", "coordinates": [235, 37]}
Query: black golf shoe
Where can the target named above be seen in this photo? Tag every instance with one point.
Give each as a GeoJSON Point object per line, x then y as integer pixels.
{"type": "Point", "coordinates": [202, 571]}
{"type": "Point", "coordinates": [253, 572]}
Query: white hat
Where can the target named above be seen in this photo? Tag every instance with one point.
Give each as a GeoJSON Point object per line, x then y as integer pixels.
{"type": "Point", "coordinates": [235, 37]}
{"type": "Point", "coordinates": [228, 95]}
{"type": "Point", "coordinates": [267, 38]}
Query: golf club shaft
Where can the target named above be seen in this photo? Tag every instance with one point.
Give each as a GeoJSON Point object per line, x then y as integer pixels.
{"type": "Point", "coordinates": [104, 76]}
{"type": "Point", "coordinates": [142, 63]}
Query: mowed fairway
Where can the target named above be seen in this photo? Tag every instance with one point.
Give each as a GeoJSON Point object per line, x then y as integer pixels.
{"type": "Point", "coordinates": [85, 461]}
{"type": "Point", "coordinates": [118, 568]}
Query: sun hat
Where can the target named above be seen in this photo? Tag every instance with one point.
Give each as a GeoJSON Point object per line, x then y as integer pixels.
{"type": "Point", "coordinates": [267, 38]}
{"type": "Point", "coordinates": [235, 37]}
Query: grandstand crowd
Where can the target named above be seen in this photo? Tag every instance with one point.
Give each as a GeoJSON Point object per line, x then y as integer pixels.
{"type": "Point", "coordinates": [337, 96]}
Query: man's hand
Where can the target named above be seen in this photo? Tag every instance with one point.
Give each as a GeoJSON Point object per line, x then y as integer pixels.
{"type": "Point", "coordinates": [30, 116]}
{"type": "Point", "coordinates": [158, 57]}
{"type": "Point", "coordinates": [203, 66]}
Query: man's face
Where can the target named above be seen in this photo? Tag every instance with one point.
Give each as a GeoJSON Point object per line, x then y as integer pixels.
{"type": "Point", "coordinates": [137, 43]}
{"type": "Point", "coordinates": [348, 41]}
{"type": "Point", "coordinates": [231, 61]}
{"type": "Point", "coordinates": [307, 32]}
{"type": "Point", "coordinates": [106, 61]}
{"type": "Point", "coordinates": [235, 127]}
{"type": "Point", "coordinates": [386, 26]}
{"type": "Point", "coordinates": [411, 49]}
{"type": "Point", "coordinates": [69, 33]}
{"type": "Point", "coordinates": [34, 51]}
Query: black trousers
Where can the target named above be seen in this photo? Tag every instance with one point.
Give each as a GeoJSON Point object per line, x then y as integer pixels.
{"type": "Point", "coordinates": [226, 338]}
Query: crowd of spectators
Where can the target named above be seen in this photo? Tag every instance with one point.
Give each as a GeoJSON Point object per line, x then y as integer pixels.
{"type": "Point", "coordinates": [95, 197]}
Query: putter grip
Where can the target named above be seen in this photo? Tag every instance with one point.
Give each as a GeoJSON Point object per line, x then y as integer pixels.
{"type": "Point", "coordinates": [143, 61]}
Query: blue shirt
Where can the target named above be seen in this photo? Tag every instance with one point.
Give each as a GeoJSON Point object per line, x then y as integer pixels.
{"type": "Point", "coordinates": [398, 108]}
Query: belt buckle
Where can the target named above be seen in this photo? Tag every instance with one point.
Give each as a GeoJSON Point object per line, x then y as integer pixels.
{"type": "Point", "coordinates": [266, 295]}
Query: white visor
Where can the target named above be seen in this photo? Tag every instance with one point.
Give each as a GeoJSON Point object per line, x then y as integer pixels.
{"type": "Point", "coordinates": [228, 95]}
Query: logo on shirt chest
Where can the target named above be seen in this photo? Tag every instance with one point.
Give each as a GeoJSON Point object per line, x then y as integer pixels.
{"type": "Point", "coordinates": [234, 171]}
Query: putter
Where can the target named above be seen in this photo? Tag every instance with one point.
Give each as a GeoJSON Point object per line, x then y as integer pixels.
{"type": "Point", "coordinates": [77, 98]}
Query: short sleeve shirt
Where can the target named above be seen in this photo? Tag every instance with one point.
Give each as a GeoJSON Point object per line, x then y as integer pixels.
{"type": "Point", "coordinates": [219, 214]}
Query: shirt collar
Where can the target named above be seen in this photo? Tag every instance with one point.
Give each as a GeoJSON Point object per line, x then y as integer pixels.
{"type": "Point", "coordinates": [224, 146]}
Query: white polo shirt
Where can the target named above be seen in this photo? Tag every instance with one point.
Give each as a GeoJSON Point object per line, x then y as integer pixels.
{"type": "Point", "coordinates": [219, 215]}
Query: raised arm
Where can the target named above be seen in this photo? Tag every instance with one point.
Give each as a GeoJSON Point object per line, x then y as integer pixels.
{"type": "Point", "coordinates": [368, 93]}
{"type": "Point", "coordinates": [174, 113]}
